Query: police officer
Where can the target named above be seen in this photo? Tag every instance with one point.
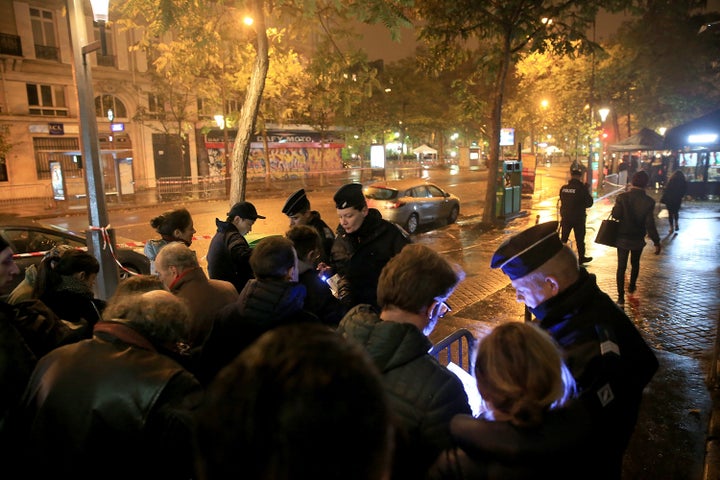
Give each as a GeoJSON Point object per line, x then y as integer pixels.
{"type": "Point", "coordinates": [574, 199]}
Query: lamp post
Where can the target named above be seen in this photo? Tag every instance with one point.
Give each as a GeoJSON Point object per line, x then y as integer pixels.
{"type": "Point", "coordinates": [100, 238]}
{"type": "Point", "coordinates": [601, 164]}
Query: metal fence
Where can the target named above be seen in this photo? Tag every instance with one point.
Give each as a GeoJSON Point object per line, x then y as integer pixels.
{"type": "Point", "coordinates": [26, 194]}
{"type": "Point", "coordinates": [458, 347]}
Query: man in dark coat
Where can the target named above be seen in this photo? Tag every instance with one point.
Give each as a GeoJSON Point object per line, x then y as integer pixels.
{"type": "Point", "coordinates": [113, 406]}
{"type": "Point", "coordinates": [274, 297]}
{"type": "Point", "coordinates": [364, 243]}
{"type": "Point", "coordinates": [424, 395]}
{"type": "Point", "coordinates": [608, 357]}
{"type": "Point", "coordinates": [228, 256]}
{"type": "Point", "coordinates": [574, 199]}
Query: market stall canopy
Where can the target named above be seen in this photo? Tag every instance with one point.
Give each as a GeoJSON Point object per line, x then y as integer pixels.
{"type": "Point", "coordinates": [424, 150]}
{"type": "Point", "coordinates": [703, 132]}
{"type": "Point", "coordinates": [645, 139]}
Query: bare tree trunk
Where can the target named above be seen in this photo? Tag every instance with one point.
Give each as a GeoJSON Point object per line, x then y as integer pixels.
{"type": "Point", "coordinates": [488, 215]}
{"type": "Point", "coordinates": [246, 124]}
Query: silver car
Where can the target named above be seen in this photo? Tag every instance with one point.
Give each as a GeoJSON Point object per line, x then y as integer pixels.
{"type": "Point", "coordinates": [411, 203]}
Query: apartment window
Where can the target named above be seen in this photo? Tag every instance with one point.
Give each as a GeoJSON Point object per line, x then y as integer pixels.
{"type": "Point", "coordinates": [43, 28]}
{"type": "Point", "coordinates": [206, 108]}
{"type": "Point", "coordinates": [233, 106]}
{"type": "Point", "coordinates": [106, 59]}
{"type": "Point", "coordinates": [103, 103]}
{"type": "Point", "coordinates": [156, 106]}
{"type": "Point", "coordinates": [47, 100]}
{"type": "Point", "coordinates": [3, 169]}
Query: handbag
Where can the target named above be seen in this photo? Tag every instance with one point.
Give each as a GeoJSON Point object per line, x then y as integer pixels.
{"type": "Point", "coordinates": [608, 232]}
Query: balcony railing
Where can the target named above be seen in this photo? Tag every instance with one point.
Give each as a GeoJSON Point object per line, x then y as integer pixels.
{"type": "Point", "coordinates": [10, 45]}
{"type": "Point", "coordinates": [46, 52]}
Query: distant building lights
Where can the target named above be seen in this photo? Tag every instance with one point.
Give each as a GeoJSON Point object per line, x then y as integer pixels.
{"type": "Point", "coordinates": [702, 138]}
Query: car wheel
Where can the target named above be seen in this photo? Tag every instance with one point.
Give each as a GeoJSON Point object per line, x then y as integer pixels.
{"type": "Point", "coordinates": [128, 271]}
{"type": "Point", "coordinates": [412, 224]}
{"type": "Point", "coordinates": [453, 214]}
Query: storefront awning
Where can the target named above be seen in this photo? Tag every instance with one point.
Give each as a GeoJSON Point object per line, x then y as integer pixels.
{"type": "Point", "coordinates": [703, 133]}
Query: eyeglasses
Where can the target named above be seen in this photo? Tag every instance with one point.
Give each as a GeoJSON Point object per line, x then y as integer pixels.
{"type": "Point", "coordinates": [443, 309]}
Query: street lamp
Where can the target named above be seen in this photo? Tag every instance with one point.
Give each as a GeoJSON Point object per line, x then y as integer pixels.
{"type": "Point", "coordinates": [100, 238]}
{"type": "Point", "coordinates": [604, 111]}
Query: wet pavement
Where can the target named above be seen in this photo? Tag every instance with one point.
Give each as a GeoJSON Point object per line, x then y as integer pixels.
{"type": "Point", "coordinates": [676, 308]}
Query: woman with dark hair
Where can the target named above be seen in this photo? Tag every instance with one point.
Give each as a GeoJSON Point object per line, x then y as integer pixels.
{"type": "Point", "coordinates": [65, 284]}
{"type": "Point", "coordinates": [173, 226]}
{"type": "Point", "coordinates": [672, 197]}
{"type": "Point", "coordinates": [635, 210]}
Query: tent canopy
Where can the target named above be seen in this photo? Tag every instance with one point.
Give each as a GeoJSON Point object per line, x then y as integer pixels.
{"type": "Point", "coordinates": [678, 137]}
{"type": "Point", "coordinates": [645, 139]}
{"type": "Point", "coordinates": [424, 150]}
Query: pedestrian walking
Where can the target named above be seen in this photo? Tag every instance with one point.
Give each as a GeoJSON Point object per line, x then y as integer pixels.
{"type": "Point", "coordinates": [672, 197]}
{"type": "Point", "coordinates": [297, 208]}
{"type": "Point", "coordinates": [228, 256]}
{"type": "Point", "coordinates": [574, 199]}
{"type": "Point", "coordinates": [364, 243]}
{"type": "Point", "coordinates": [635, 210]}
{"type": "Point", "coordinates": [173, 226]}
{"type": "Point", "coordinates": [606, 354]}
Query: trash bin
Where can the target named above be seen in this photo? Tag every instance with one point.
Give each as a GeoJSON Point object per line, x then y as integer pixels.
{"type": "Point", "coordinates": [509, 188]}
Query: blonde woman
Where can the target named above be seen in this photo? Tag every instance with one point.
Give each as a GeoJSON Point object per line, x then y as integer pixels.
{"type": "Point", "coordinates": [531, 427]}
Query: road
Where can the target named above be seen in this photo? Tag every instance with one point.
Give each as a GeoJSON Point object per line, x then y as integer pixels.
{"type": "Point", "coordinates": [457, 241]}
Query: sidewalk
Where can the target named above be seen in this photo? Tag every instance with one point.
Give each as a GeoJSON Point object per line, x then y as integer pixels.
{"type": "Point", "coordinates": [676, 308]}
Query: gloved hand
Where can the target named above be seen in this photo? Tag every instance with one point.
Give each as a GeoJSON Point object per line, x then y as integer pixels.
{"type": "Point", "coordinates": [658, 247]}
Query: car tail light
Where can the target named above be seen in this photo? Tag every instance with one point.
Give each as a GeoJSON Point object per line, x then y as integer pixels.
{"type": "Point", "coordinates": [396, 204]}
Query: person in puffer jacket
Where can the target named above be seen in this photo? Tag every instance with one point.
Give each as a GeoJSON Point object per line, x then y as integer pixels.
{"type": "Point", "coordinates": [413, 289]}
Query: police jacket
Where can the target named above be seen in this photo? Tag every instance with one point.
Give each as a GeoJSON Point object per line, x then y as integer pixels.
{"type": "Point", "coordinates": [228, 255]}
{"type": "Point", "coordinates": [325, 232]}
{"type": "Point", "coordinates": [359, 257]}
{"type": "Point", "coordinates": [559, 448]}
{"type": "Point", "coordinates": [636, 212]}
{"type": "Point", "coordinates": [609, 359]}
{"type": "Point", "coordinates": [574, 199]}
{"type": "Point", "coordinates": [108, 407]}
{"type": "Point", "coordinates": [424, 395]}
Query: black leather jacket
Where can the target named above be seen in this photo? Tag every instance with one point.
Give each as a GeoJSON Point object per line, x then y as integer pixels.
{"type": "Point", "coordinates": [108, 407]}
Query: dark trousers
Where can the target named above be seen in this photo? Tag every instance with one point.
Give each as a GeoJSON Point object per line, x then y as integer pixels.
{"type": "Point", "coordinates": [622, 256]}
{"type": "Point", "coordinates": [578, 227]}
{"type": "Point", "coordinates": [673, 214]}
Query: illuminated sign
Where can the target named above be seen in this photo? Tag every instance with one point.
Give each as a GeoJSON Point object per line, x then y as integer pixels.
{"type": "Point", "coordinates": [377, 156]}
{"type": "Point", "coordinates": [507, 137]}
{"type": "Point", "coordinates": [117, 127]}
{"type": "Point", "coordinates": [703, 138]}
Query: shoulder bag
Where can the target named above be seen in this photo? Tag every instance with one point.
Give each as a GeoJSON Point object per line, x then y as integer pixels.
{"type": "Point", "coordinates": [608, 232]}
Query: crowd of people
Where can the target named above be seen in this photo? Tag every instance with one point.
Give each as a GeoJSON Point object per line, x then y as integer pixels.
{"type": "Point", "coordinates": [261, 368]}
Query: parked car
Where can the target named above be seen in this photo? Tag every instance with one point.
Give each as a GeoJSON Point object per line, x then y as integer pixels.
{"type": "Point", "coordinates": [413, 202]}
{"type": "Point", "coordinates": [30, 240]}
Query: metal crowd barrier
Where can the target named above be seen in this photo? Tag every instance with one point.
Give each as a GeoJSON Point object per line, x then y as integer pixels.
{"type": "Point", "coordinates": [459, 348]}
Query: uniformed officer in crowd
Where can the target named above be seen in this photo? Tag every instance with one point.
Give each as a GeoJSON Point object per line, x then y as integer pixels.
{"type": "Point", "coordinates": [297, 208]}
{"type": "Point", "coordinates": [574, 199]}
{"type": "Point", "coordinates": [608, 357]}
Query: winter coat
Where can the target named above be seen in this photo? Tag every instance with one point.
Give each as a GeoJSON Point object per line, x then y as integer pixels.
{"type": "Point", "coordinates": [73, 301]}
{"type": "Point", "coordinates": [205, 298]}
{"type": "Point", "coordinates": [675, 191]}
{"type": "Point", "coordinates": [608, 358]}
{"type": "Point", "coordinates": [423, 394]}
{"type": "Point", "coordinates": [109, 407]}
{"type": "Point", "coordinates": [319, 299]}
{"type": "Point", "coordinates": [574, 199]}
{"type": "Point", "coordinates": [636, 212]}
{"type": "Point", "coordinates": [260, 307]}
{"type": "Point", "coordinates": [228, 256]}
{"type": "Point", "coordinates": [559, 448]}
{"type": "Point", "coordinates": [359, 257]}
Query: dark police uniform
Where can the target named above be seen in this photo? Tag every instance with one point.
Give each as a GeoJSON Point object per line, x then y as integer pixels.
{"type": "Point", "coordinates": [574, 199]}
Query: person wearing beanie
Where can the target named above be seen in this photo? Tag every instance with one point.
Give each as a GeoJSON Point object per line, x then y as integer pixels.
{"type": "Point", "coordinates": [228, 256]}
{"type": "Point", "coordinates": [606, 354]}
{"type": "Point", "coordinates": [364, 243]}
{"type": "Point", "coordinates": [297, 208]}
{"type": "Point", "coordinates": [574, 199]}
{"type": "Point", "coordinates": [635, 210]}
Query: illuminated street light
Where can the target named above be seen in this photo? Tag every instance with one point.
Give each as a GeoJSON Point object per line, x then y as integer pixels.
{"type": "Point", "coordinates": [100, 238]}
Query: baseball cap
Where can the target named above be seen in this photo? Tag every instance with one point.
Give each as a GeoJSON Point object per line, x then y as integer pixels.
{"type": "Point", "coordinates": [244, 210]}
